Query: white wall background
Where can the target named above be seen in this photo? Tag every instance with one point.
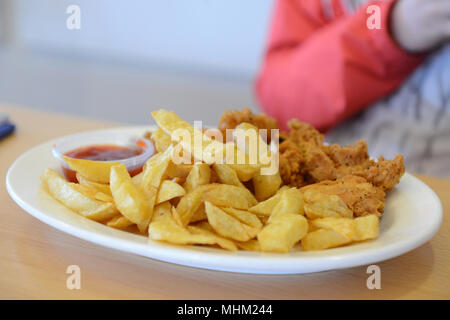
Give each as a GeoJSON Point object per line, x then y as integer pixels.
{"type": "Point", "coordinates": [197, 57]}
{"type": "Point", "coordinates": [224, 36]}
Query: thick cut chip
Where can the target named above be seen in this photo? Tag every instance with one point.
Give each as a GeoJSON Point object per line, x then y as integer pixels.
{"type": "Point", "coordinates": [129, 199]}
{"type": "Point", "coordinates": [205, 149]}
{"type": "Point", "coordinates": [244, 171]}
{"type": "Point", "coordinates": [324, 239]}
{"type": "Point", "coordinates": [265, 208]}
{"type": "Point", "coordinates": [172, 124]}
{"type": "Point", "coordinates": [162, 211]}
{"type": "Point", "coordinates": [321, 205]}
{"type": "Point", "coordinates": [291, 201]}
{"type": "Point", "coordinates": [102, 187]}
{"type": "Point", "coordinates": [281, 234]}
{"type": "Point", "coordinates": [93, 193]}
{"type": "Point", "coordinates": [169, 190]}
{"type": "Point", "coordinates": [250, 245]}
{"type": "Point", "coordinates": [68, 194]}
{"type": "Point", "coordinates": [176, 217]}
{"type": "Point", "coordinates": [367, 227]}
{"type": "Point", "coordinates": [161, 140]}
{"type": "Point", "coordinates": [250, 222]}
{"type": "Point", "coordinates": [227, 175]}
{"type": "Point", "coordinates": [252, 232]}
{"type": "Point", "coordinates": [359, 229]}
{"type": "Point", "coordinates": [191, 202]}
{"type": "Point", "coordinates": [345, 226]}
{"type": "Point", "coordinates": [137, 179]}
{"type": "Point", "coordinates": [97, 171]}
{"type": "Point", "coordinates": [199, 175]}
{"type": "Point", "coordinates": [225, 195]}
{"type": "Point", "coordinates": [244, 216]}
{"type": "Point", "coordinates": [224, 224]}
{"type": "Point", "coordinates": [169, 231]}
{"type": "Point", "coordinates": [153, 174]}
{"type": "Point", "coordinates": [265, 185]}
{"type": "Point", "coordinates": [119, 222]}
{"type": "Point", "coordinates": [222, 242]}
{"type": "Point", "coordinates": [178, 170]}
{"type": "Point", "coordinates": [199, 214]}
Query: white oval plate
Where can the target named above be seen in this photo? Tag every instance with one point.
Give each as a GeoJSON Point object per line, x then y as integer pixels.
{"type": "Point", "coordinates": [413, 214]}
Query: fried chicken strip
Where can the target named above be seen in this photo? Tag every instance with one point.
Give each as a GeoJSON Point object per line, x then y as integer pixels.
{"type": "Point", "coordinates": [230, 119]}
{"type": "Point", "coordinates": [304, 159]}
{"type": "Point", "coordinates": [361, 196]}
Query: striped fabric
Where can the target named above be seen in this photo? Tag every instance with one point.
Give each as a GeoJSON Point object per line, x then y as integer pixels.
{"type": "Point", "coordinates": [414, 120]}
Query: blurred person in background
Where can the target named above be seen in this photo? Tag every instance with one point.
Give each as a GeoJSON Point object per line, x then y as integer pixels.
{"type": "Point", "coordinates": [390, 86]}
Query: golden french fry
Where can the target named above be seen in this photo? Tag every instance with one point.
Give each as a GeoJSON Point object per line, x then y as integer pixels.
{"type": "Point", "coordinates": [162, 211]}
{"type": "Point", "coordinates": [68, 194]}
{"type": "Point", "coordinates": [129, 199]}
{"type": "Point", "coordinates": [209, 150]}
{"type": "Point", "coordinates": [205, 226]}
{"type": "Point", "coordinates": [171, 123]}
{"type": "Point", "coordinates": [244, 171]}
{"type": "Point", "coordinates": [119, 222]}
{"type": "Point", "coordinates": [137, 179]}
{"type": "Point", "coordinates": [250, 245]}
{"type": "Point", "coordinates": [367, 227]}
{"type": "Point", "coordinates": [178, 170]}
{"type": "Point", "coordinates": [324, 239]}
{"type": "Point", "coordinates": [290, 201]}
{"type": "Point", "coordinates": [199, 175]}
{"type": "Point", "coordinates": [252, 232]}
{"type": "Point", "coordinates": [96, 171]}
{"type": "Point", "coordinates": [191, 202]}
{"type": "Point", "coordinates": [245, 217]}
{"type": "Point", "coordinates": [102, 187]}
{"type": "Point", "coordinates": [222, 242]}
{"type": "Point", "coordinates": [224, 224]}
{"type": "Point", "coordinates": [176, 217]}
{"type": "Point", "coordinates": [265, 185]}
{"type": "Point", "coordinates": [199, 214]}
{"type": "Point", "coordinates": [344, 226]}
{"type": "Point", "coordinates": [93, 193]}
{"type": "Point", "coordinates": [169, 190]}
{"type": "Point", "coordinates": [225, 195]}
{"type": "Point", "coordinates": [265, 208]}
{"type": "Point", "coordinates": [227, 175]}
{"type": "Point", "coordinates": [153, 174]}
{"type": "Point", "coordinates": [161, 140]}
{"type": "Point", "coordinates": [169, 231]}
{"type": "Point", "coordinates": [321, 205]}
{"type": "Point", "coordinates": [281, 234]}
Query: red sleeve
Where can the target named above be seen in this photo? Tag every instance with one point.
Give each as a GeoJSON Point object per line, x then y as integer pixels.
{"type": "Point", "coordinates": [324, 71]}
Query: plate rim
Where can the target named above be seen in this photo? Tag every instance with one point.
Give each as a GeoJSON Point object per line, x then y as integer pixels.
{"type": "Point", "coordinates": [199, 258]}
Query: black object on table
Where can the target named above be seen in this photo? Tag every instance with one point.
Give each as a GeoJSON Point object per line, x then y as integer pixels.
{"type": "Point", "coordinates": [6, 127]}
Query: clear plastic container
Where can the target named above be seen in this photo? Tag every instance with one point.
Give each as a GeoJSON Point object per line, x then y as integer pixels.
{"type": "Point", "coordinates": [133, 164]}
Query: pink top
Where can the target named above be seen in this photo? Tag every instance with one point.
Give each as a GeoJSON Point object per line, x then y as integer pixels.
{"type": "Point", "coordinates": [323, 69]}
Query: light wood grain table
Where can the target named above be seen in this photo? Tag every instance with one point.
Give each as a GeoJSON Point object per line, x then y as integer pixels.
{"type": "Point", "coordinates": [34, 256]}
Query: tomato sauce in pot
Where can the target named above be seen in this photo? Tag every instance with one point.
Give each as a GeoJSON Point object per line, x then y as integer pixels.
{"type": "Point", "coordinates": [104, 152]}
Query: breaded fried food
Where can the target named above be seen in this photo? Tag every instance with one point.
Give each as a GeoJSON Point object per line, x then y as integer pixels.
{"type": "Point", "coordinates": [361, 196]}
{"type": "Point", "coordinates": [304, 159]}
{"type": "Point", "coordinates": [230, 119]}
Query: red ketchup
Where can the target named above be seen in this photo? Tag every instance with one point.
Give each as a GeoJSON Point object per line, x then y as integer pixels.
{"type": "Point", "coordinates": [104, 152]}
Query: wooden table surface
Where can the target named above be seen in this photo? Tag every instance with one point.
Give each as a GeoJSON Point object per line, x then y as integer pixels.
{"type": "Point", "coordinates": [34, 256]}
